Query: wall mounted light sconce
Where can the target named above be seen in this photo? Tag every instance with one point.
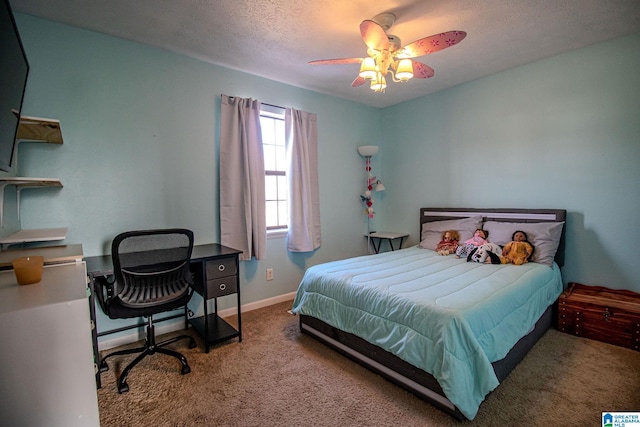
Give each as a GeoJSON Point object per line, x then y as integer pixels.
{"type": "Point", "coordinates": [367, 150]}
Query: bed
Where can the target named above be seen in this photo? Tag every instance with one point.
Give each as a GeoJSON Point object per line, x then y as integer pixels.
{"type": "Point", "coordinates": [445, 329]}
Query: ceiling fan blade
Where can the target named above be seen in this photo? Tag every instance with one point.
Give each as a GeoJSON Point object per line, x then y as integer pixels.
{"type": "Point", "coordinates": [358, 81]}
{"type": "Point", "coordinates": [422, 71]}
{"type": "Point", "coordinates": [431, 44]}
{"type": "Point", "coordinates": [374, 35]}
{"type": "Point", "coordinates": [336, 61]}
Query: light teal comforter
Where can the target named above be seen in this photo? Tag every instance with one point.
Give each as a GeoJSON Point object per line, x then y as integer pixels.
{"type": "Point", "coordinates": [449, 317]}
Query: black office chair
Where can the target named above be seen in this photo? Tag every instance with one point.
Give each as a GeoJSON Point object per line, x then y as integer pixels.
{"type": "Point", "coordinates": [151, 276]}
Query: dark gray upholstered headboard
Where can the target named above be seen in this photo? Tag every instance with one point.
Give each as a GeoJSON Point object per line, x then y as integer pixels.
{"type": "Point", "coordinates": [502, 215]}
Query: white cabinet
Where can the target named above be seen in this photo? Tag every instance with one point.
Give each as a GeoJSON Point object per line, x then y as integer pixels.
{"type": "Point", "coordinates": [46, 360]}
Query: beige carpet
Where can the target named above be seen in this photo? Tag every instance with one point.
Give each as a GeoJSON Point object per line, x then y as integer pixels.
{"type": "Point", "coordinates": [279, 377]}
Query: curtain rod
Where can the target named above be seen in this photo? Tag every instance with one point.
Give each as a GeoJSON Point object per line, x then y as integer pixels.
{"type": "Point", "coordinates": [263, 103]}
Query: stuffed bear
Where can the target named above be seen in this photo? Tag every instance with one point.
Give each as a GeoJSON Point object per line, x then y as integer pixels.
{"type": "Point", "coordinates": [489, 253]}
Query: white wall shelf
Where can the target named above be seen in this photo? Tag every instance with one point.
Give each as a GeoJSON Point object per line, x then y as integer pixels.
{"type": "Point", "coordinates": [34, 129]}
{"type": "Point", "coordinates": [22, 183]}
{"type": "Point", "coordinates": [34, 235]}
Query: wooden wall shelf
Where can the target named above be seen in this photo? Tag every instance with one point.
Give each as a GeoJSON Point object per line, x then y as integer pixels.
{"type": "Point", "coordinates": [39, 129]}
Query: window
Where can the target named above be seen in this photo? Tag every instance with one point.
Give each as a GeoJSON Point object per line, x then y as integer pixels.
{"type": "Point", "coordinates": [275, 166]}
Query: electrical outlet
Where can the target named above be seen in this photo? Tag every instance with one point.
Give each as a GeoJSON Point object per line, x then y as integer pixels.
{"type": "Point", "coordinates": [269, 273]}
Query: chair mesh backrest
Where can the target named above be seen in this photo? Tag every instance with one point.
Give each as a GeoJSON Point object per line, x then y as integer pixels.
{"type": "Point", "coordinates": [152, 266]}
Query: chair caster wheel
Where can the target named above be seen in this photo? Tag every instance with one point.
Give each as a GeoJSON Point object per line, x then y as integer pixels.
{"type": "Point", "coordinates": [123, 388]}
{"type": "Point", "coordinates": [103, 367]}
{"type": "Point", "coordinates": [185, 369]}
{"type": "Point", "coordinates": [192, 343]}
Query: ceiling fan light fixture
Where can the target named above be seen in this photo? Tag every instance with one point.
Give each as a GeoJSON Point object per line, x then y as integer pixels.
{"type": "Point", "coordinates": [386, 56]}
{"type": "Point", "coordinates": [404, 71]}
{"type": "Point", "coordinates": [368, 69]}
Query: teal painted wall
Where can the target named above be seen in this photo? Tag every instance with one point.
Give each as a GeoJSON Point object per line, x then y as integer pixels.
{"type": "Point", "coordinates": [141, 138]}
{"type": "Point", "coordinates": [558, 133]}
{"type": "Point", "coordinates": [141, 129]}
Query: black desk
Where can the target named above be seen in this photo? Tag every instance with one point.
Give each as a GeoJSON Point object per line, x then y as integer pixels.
{"type": "Point", "coordinates": [215, 271]}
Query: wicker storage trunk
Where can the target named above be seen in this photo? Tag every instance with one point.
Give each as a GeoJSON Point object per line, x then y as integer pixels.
{"type": "Point", "coordinates": [602, 314]}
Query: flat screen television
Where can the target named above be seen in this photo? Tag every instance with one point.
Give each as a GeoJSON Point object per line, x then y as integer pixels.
{"type": "Point", "coordinates": [14, 69]}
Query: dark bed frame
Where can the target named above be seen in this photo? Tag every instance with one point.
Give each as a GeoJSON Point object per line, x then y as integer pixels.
{"type": "Point", "coordinates": [407, 376]}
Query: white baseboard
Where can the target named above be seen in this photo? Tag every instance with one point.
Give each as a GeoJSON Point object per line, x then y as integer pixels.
{"type": "Point", "coordinates": [137, 335]}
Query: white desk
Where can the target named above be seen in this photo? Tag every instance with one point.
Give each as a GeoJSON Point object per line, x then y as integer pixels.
{"type": "Point", "coordinates": [389, 236]}
{"type": "Point", "coordinates": [46, 359]}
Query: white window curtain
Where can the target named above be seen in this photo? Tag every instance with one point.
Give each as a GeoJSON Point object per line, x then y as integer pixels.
{"type": "Point", "coordinates": [242, 199]}
{"type": "Point", "coordinates": [301, 132]}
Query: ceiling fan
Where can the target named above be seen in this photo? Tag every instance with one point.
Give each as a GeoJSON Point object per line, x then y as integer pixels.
{"type": "Point", "coordinates": [387, 57]}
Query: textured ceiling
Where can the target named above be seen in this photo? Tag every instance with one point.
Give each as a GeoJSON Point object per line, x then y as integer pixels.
{"type": "Point", "coordinates": [277, 38]}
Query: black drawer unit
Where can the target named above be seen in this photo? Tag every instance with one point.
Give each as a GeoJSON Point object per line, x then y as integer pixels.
{"type": "Point", "coordinates": [215, 274]}
{"type": "Point", "coordinates": [221, 287]}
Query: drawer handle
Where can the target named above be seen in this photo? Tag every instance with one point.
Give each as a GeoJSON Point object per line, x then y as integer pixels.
{"type": "Point", "coordinates": [606, 315]}
{"type": "Point", "coordinates": [223, 286]}
{"type": "Point", "coordinates": [221, 267]}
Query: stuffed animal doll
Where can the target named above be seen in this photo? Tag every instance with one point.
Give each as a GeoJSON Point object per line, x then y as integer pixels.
{"type": "Point", "coordinates": [518, 251]}
{"type": "Point", "coordinates": [479, 238]}
{"type": "Point", "coordinates": [449, 242]}
{"type": "Point", "coordinates": [488, 253]}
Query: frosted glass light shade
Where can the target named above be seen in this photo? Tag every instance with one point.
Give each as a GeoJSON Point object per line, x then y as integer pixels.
{"type": "Point", "coordinates": [405, 70]}
{"type": "Point", "coordinates": [368, 68]}
{"type": "Point", "coordinates": [379, 85]}
{"type": "Point", "coordinates": [367, 150]}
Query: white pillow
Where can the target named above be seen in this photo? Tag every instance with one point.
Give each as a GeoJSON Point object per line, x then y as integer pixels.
{"type": "Point", "coordinates": [544, 236]}
{"type": "Point", "coordinates": [432, 231]}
